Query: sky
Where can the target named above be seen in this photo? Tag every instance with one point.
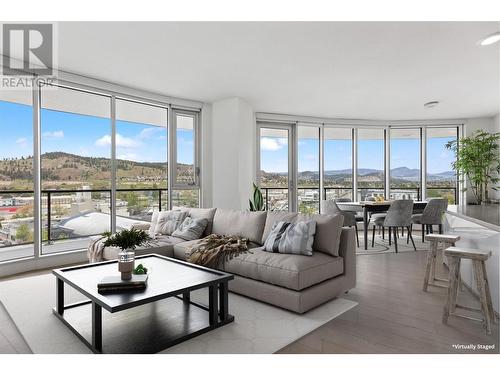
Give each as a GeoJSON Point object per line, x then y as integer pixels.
{"type": "Point", "coordinates": [338, 154]}
{"type": "Point", "coordinates": [90, 136]}
{"type": "Point", "coordinates": [87, 136]}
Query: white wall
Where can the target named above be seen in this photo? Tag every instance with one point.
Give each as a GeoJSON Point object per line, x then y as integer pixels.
{"type": "Point", "coordinates": [491, 125]}
{"type": "Point", "coordinates": [233, 153]}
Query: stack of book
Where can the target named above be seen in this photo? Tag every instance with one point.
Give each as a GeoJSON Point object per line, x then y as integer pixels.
{"type": "Point", "coordinates": [114, 284]}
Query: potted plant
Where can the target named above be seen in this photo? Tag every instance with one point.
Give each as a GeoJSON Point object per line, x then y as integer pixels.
{"type": "Point", "coordinates": [127, 240]}
{"type": "Point", "coordinates": [258, 201]}
{"type": "Point", "coordinates": [478, 160]}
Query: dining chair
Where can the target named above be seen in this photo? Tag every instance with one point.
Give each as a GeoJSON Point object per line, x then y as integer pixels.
{"type": "Point", "coordinates": [330, 207]}
{"type": "Point", "coordinates": [398, 216]}
{"type": "Point", "coordinates": [432, 215]}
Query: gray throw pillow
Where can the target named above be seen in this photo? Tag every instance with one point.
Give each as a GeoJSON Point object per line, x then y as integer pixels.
{"type": "Point", "coordinates": [291, 238]}
{"type": "Point", "coordinates": [169, 221]}
{"type": "Point", "coordinates": [154, 221]}
{"type": "Point", "coordinates": [191, 229]}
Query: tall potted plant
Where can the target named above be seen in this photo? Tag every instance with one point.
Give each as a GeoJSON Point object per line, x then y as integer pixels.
{"type": "Point", "coordinates": [478, 160]}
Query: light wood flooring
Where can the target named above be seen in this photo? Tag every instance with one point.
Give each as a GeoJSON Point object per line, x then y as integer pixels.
{"type": "Point", "coordinates": [394, 315]}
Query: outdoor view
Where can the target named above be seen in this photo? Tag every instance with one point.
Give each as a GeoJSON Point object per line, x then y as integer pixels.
{"type": "Point", "coordinates": [76, 149]}
{"type": "Point", "coordinates": [337, 181]}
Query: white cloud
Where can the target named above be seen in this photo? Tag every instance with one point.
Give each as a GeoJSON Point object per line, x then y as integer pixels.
{"type": "Point", "coordinates": [121, 141]}
{"type": "Point", "coordinates": [23, 142]}
{"type": "Point", "coordinates": [128, 156]}
{"type": "Point", "coordinates": [57, 134]}
{"type": "Point", "coordinates": [444, 154]}
{"type": "Point", "coordinates": [311, 157]}
{"type": "Point", "coordinates": [272, 144]}
{"type": "Point", "coordinates": [150, 132]}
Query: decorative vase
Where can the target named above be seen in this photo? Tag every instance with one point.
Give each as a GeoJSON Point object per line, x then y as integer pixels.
{"type": "Point", "coordinates": [126, 263]}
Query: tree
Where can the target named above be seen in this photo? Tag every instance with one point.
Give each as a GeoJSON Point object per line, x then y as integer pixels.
{"type": "Point", "coordinates": [24, 233]}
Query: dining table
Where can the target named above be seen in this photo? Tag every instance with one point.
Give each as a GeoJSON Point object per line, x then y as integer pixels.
{"type": "Point", "coordinates": [369, 207]}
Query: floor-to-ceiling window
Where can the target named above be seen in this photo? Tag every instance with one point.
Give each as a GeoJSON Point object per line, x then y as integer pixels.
{"type": "Point", "coordinates": [141, 160]}
{"type": "Point", "coordinates": [337, 173]}
{"type": "Point", "coordinates": [75, 130]}
{"type": "Point", "coordinates": [85, 137]}
{"type": "Point", "coordinates": [405, 164]}
{"type": "Point", "coordinates": [308, 194]}
{"type": "Point", "coordinates": [354, 162]}
{"type": "Point", "coordinates": [16, 175]}
{"type": "Point", "coordinates": [371, 163]}
{"type": "Point", "coordinates": [441, 178]}
{"type": "Point", "coordinates": [185, 184]}
{"type": "Point", "coordinates": [274, 169]}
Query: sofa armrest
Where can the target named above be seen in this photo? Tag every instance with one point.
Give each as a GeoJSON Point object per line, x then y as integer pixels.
{"type": "Point", "coordinates": [347, 250]}
{"type": "Point", "coordinates": [140, 226]}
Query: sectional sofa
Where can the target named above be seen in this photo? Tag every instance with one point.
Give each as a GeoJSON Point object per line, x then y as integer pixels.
{"type": "Point", "coordinates": [294, 282]}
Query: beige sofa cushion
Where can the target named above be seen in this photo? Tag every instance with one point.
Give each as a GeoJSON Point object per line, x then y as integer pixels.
{"type": "Point", "coordinates": [328, 229]}
{"type": "Point", "coordinates": [241, 223]}
{"type": "Point", "coordinates": [275, 216]}
{"type": "Point", "coordinates": [203, 213]}
{"type": "Point", "coordinates": [295, 272]}
{"type": "Point", "coordinates": [164, 245]}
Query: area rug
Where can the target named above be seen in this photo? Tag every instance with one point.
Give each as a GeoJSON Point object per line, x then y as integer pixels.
{"type": "Point", "coordinates": [258, 328]}
{"type": "Point", "coordinates": [381, 246]}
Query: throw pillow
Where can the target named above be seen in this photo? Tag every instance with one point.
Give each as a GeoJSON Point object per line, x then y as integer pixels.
{"type": "Point", "coordinates": [169, 221]}
{"type": "Point", "coordinates": [154, 221]}
{"type": "Point", "coordinates": [291, 238]}
{"type": "Point", "coordinates": [191, 229]}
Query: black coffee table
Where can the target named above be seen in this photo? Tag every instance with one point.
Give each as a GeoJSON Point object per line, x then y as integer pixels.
{"type": "Point", "coordinates": [146, 321]}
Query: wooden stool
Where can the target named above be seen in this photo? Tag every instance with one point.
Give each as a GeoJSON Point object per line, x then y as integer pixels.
{"type": "Point", "coordinates": [478, 258]}
{"type": "Point", "coordinates": [430, 270]}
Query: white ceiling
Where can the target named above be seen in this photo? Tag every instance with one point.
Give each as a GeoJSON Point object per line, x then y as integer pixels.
{"type": "Point", "coordinates": [361, 70]}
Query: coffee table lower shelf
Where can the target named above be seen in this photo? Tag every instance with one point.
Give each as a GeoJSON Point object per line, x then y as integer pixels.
{"type": "Point", "coordinates": [148, 328]}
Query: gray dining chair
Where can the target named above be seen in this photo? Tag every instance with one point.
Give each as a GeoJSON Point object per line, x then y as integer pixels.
{"type": "Point", "coordinates": [432, 215]}
{"type": "Point", "coordinates": [398, 216]}
{"type": "Point", "coordinates": [330, 207]}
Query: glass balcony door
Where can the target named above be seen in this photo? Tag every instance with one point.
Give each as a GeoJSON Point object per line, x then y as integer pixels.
{"type": "Point", "coordinates": [275, 166]}
{"type": "Point", "coordinates": [405, 162]}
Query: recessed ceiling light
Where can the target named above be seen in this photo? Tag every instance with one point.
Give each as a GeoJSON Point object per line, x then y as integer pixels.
{"type": "Point", "coordinates": [431, 104]}
{"type": "Point", "coordinates": [490, 39]}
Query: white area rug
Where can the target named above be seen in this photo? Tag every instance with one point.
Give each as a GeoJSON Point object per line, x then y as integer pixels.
{"type": "Point", "coordinates": [258, 327]}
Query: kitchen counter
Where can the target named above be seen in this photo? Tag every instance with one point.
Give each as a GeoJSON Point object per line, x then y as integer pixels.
{"type": "Point", "coordinates": [486, 215]}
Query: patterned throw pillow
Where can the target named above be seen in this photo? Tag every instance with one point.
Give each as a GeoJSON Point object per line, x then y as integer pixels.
{"type": "Point", "coordinates": [191, 229]}
{"type": "Point", "coordinates": [291, 238]}
{"type": "Point", "coordinates": [169, 221]}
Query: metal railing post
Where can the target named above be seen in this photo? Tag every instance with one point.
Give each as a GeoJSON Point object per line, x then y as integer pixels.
{"type": "Point", "coordinates": [49, 217]}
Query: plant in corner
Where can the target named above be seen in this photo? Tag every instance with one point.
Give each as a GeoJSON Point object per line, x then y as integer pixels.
{"type": "Point", "coordinates": [258, 201]}
{"type": "Point", "coordinates": [477, 159]}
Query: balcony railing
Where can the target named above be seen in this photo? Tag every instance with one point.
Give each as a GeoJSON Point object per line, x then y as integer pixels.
{"type": "Point", "coordinates": [66, 204]}
{"type": "Point", "coordinates": [276, 198]}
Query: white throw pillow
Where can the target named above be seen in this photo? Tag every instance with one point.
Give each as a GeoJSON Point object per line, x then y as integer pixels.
{"type": "Point", "coordinates": [169, 221]}
{"type": "Point", "coordinates": [154, 221]}
{"type": "Point", "coordinates": [291, 238]}
{"type": "Point", "coordinates": [191, 229]}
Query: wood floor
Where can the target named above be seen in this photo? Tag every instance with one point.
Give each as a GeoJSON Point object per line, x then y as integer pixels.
{"type": "Point", "coordinates": [394, 315]}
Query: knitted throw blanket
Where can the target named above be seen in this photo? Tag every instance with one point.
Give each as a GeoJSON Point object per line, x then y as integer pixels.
{"type": "Point", "coordinates": [214, 250]}
{"type": "Point", "coordinates": [95, 249]}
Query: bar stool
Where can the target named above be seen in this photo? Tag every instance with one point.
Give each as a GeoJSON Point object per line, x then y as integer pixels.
{"type": "Point", "coordinates": [430, 270]}
{"type": "Point", "coordinates": [478, 257]}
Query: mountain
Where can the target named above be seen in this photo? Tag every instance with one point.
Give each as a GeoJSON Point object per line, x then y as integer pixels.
{"type": "Point", "coordinates": [66, 167]}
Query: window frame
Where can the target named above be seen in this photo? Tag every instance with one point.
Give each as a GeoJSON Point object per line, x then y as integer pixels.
{"type": "Point", "coordinates": [172, 160]}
